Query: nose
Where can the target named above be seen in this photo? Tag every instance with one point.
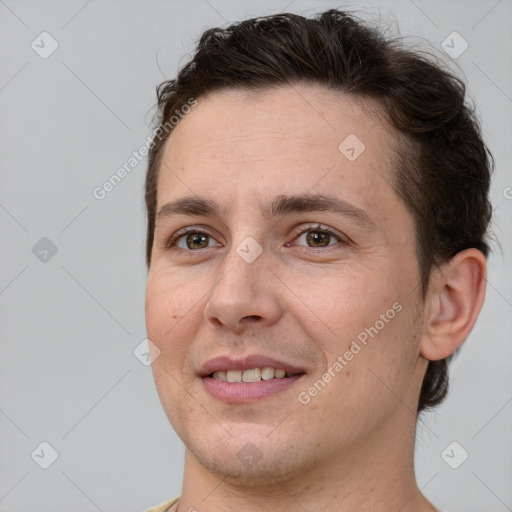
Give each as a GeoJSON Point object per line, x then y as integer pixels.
{"type": "Point", "coordinates": [246, 293]}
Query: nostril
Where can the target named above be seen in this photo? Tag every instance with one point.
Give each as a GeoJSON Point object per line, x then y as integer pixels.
{"type": "Point", "coordinates": [215, 321]}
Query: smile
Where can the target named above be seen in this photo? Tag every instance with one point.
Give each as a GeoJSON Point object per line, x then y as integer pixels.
{"type": "Point", "coordinates": [246, 379]}
{"type": "Point", "coordinates": [250, 375]}
{"type": "Point", "coordinates": [245, 386]}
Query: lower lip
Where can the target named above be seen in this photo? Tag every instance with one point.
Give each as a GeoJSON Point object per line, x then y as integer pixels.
{"type": "Point", "coordinates": [245, 392]}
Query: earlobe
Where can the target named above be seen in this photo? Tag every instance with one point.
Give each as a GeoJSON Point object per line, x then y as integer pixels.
{"type": "Point", "coordinates": [453, 303]}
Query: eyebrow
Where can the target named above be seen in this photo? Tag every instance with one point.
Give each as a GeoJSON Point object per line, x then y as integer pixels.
{"type": "Point", "coordinates": [279, 206]}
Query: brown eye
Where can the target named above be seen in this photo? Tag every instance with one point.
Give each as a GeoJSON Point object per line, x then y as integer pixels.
{"type": "Point", "coordinates": [318, 238]}
{"type": "Point", "coordinates": [196, 240]}
{"type": "Point", "coordinates": [190, 240]}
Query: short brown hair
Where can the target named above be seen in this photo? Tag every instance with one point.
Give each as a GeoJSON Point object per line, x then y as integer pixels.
{"type": "Point", "coordinates": [442, 169]}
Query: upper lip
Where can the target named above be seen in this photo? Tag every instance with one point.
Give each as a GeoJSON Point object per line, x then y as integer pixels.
{"type": "Point", "coordinates": [246, 363]}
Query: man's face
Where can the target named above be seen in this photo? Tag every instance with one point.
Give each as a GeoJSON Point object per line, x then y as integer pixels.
{"type": "Point", "coordinates": [339, 309]}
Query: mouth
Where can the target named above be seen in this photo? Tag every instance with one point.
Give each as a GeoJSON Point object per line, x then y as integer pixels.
{"type": "Point", "coordinates": [249, 379]}
{"type": "Point", "coordinates": [251, 375]}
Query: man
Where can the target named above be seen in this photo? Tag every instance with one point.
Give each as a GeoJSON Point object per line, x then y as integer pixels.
{"type": "Point", "coordinates": [317, 212]}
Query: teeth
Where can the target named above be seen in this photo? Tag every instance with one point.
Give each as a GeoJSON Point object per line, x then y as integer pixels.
{"type": "Point", "coordinates": [220, 375]}
{"type": "Point", "coordinates": [267, 373]}
{"type": "Point", "coordinates": [234, 375]}
{"type": "Point", "coordinates": [251, 375]}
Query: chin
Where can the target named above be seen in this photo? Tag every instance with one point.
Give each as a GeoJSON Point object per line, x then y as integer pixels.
{"type": "Point", "coordinates": [239, 474]}
{"type": "Point", "coordinates": [251, 461]}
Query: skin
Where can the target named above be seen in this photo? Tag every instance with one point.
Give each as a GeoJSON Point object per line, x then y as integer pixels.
{"type": "Point", "coordinates": [351, 447]}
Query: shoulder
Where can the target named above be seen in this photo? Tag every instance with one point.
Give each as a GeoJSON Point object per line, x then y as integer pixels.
{"type": "Point", "coordinates": [163, 507]}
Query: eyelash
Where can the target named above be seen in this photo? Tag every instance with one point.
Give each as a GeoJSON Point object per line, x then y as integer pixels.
{"type": "Point", "coordinates": [170, 243]}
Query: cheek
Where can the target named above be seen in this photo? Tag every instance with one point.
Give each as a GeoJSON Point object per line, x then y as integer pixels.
{"type": "Point", "coordinates": [173, 313]}
{"type": "Point", "coordinates": [167, 298]}
{"type": "Point", "coordinates": [387, 358]}
{"type": "Point", "coordinates": [369, 323]}
{"type": "Point", "coordinates": [363, 387]}
{"type": "Point", "coordinates": [162, 312]}
{"type": "Point", "coordinates": [347, 307]}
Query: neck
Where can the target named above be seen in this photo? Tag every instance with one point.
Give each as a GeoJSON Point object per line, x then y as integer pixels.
{"type": "Point", "coordinates": [375, 475]}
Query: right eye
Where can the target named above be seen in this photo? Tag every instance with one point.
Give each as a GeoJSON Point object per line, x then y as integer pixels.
{"type": "Point", "coordinates": [190, 239]}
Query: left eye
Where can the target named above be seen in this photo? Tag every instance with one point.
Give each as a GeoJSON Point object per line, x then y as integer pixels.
{"type": "Point", "coordinates": [318, 237]}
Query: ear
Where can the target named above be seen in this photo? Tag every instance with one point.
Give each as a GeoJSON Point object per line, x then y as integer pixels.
{"type": "Point", "coordinates": [454, 300]}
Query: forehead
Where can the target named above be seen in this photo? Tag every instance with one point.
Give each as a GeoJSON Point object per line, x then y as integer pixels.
{"type": "Point", "coordinates": [238, 147]}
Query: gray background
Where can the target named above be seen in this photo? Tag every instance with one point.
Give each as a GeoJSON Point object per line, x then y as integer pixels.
{"type": "Point", "coordinates": [69, 325]}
